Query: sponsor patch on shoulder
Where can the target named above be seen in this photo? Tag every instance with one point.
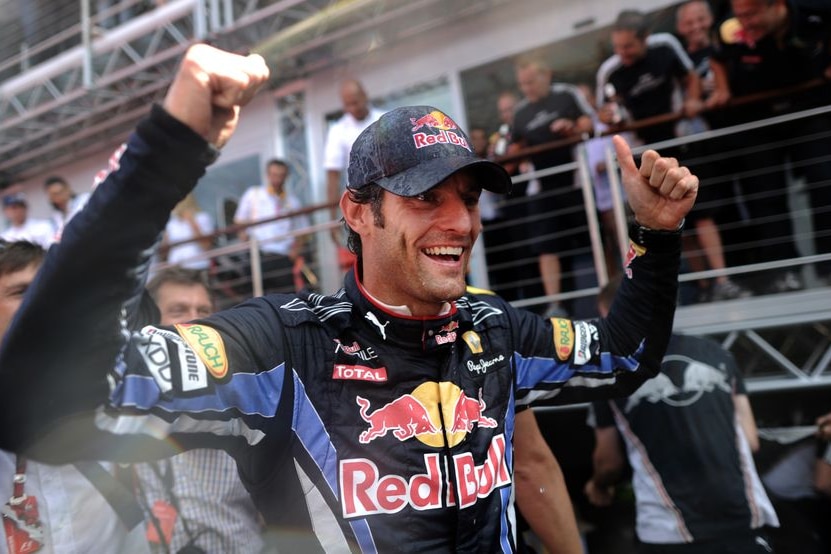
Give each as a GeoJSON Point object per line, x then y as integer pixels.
{"type": "Point", "coordinates": [563, 337]}
{"type": "Point", "coordinates": [473, 342]}
{"type": "Point", "coordinates": [208, 345]}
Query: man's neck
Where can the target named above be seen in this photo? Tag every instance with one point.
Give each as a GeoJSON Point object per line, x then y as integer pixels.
{"type": "Point", "coordinates": [403, 309]}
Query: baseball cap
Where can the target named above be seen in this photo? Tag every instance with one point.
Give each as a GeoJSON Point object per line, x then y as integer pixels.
{"type": "Point", "coordinates": [17, 198]}
{"type": "Point", "coordinates": [411, 149]}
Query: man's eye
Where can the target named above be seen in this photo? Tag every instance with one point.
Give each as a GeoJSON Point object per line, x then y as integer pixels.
{"type": "Point", "coordinates": [472, 200]}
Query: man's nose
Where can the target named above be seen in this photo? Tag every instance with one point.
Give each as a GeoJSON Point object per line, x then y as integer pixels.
{"type": "Point", "coordinates": [456, 215]}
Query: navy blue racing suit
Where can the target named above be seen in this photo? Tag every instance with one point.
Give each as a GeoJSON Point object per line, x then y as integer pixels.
{"type": "Point", "coordinates": [354, 428]}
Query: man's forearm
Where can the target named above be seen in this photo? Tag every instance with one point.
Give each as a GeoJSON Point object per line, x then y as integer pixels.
{"type": "Point", "coordinates": [541, 493]}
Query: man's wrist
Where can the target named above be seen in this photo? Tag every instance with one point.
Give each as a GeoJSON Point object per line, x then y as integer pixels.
{"type": "Point", "coordinates": [646, 236]}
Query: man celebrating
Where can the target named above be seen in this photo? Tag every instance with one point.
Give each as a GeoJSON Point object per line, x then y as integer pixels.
{"type": "Point", "coordinates": [376, 419]}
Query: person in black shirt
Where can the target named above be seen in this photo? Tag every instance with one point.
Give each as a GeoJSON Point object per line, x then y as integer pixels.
{"type": "Point", "coordinates": [645, 72]}
{"type": "Point", "coordinates": [689, 436]}
{"type": "Point", "coordinates": [764, 46]}
{"type": "Point", "coordinates": [694, 22]}
{"type": "Point", "coordinates": [551, 112]}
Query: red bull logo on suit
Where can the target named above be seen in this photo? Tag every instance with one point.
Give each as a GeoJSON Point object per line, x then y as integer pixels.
{"type": "Point", "coordinates": [416, 415]}
{"type": "Point", "coordinates": [365, 491]}
{"type": "Point", "coordinates": [439, 415]}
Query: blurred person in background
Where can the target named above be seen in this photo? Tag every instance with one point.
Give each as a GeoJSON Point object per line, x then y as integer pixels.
{"type": "Point", "coordinates": [187, 223]}
{"type": "Point", "coordinates": [704, 246]}
{"type": "Point", "coordinates": [65, 202]}
{"type": "Point", "coordinates": [194, 499]}
{"type": "Point", "coordinates": [550, 112]}
{"type": "Point", "coordinates": [57, 509]}
{"type": "Point", "coordinates": [689, 435]}
{"type": "Point", "coordinates": [358, 114]}
{"type": "Point", "coordinates": [23, 227]}
{"type": "Point", "coordinates": [765, 46]}
{"type": "Point", "coordinates": [278, 249]}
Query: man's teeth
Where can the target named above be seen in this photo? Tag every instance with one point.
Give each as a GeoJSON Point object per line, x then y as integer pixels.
{"type": "Point", "coordinates": [444, 251]}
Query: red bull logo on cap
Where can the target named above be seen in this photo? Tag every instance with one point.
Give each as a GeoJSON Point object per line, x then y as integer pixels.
{"type": "Point", "coordinates": [435, 119]}
{"type": "Point", "coordinates": [416, 415]}
{"type": "Point", "coordinates": [443, 124]}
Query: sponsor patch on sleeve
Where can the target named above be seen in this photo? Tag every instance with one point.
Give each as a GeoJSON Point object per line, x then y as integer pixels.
{"type": "Point", "coordinates": [584, 335]}
{"type": "Point", "coordinates": [634, 251]}
{"type": "Point", "coordinates": [208, 345]}
{"type": "Point", "coordinates": [563, 337]}
{"type": "Point", "coordinates": [156, 355]}
{"type": "Point", "coordinates": [731, 31]}
{"type": "Point", "coordinates": [164, 351]}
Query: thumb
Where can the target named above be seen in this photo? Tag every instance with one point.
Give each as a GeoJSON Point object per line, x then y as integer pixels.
{"type": "Point", "coordinates": [624, 156]}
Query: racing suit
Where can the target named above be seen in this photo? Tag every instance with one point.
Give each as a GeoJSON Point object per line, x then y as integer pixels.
{"type": "Point", "coordinates": [354, 428]}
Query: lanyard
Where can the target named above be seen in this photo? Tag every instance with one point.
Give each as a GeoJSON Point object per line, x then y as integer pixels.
{"type": "Point", "coordinates": [21, 521]}
{"type": "Point", "coordinates": [19, 482]}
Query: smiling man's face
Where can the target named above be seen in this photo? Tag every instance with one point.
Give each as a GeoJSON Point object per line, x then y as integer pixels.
{"type": "Point", "coordinates": [419, 256]}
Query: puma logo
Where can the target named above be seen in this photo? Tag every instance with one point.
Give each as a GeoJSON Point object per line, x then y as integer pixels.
{"type": "Point", "coordinates": [374, 320]}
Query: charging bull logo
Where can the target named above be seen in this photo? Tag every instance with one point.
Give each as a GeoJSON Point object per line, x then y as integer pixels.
{"type": "Point", "coordinates": [697, 379]}
{"type": "Point", "coordinates": [434, 414]}
{"type": "Point", "coordinates": [405, 416]}
{"type": "Point", "coordinates": [467, 412]}
{"type": "Point", "coordinates": [445, 131]}
{"type": "Point", "coordinates": [435, 119]}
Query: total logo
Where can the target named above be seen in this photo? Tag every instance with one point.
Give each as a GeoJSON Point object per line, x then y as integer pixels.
{"type": "Point", "coordinates": [434, 413]}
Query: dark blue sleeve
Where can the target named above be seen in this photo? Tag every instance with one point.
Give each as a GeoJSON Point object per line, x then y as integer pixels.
{"type": "Point", "coordinates": [565, 361]}
{"type": "Point", "coordinates": [65, 338]}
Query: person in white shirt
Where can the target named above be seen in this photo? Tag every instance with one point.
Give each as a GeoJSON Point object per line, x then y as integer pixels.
{"type": "Point", "coordinates": [64, 200]}
{"type": "Point", "coordinates": [188, 221]}
{"type": "Point", "coordinates": [358, 115]}
{"type": "Point", "coordinates": [278, 249]}
{"type": "Point", "coordinates": [23, 227]}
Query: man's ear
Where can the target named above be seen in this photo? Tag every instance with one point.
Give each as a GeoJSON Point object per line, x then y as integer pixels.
{"type": "Point", "coordinates": [357, 216]}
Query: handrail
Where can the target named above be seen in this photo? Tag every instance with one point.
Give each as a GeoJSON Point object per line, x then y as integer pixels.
{"type": "Point", "coordinates": [664, 118]}
{"type": "Point", "coordinates": [235, 228]}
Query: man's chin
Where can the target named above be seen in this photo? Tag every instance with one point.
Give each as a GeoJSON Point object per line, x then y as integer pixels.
{"type": "Point", "coordinates": [451, 291]}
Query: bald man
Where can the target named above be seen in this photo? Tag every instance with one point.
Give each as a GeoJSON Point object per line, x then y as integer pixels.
{"type": "Point", "coordinates": [358, 114]}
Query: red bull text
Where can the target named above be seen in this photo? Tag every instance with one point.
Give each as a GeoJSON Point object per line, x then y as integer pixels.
{"type": "Point", "coordinates": [364, 491]}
